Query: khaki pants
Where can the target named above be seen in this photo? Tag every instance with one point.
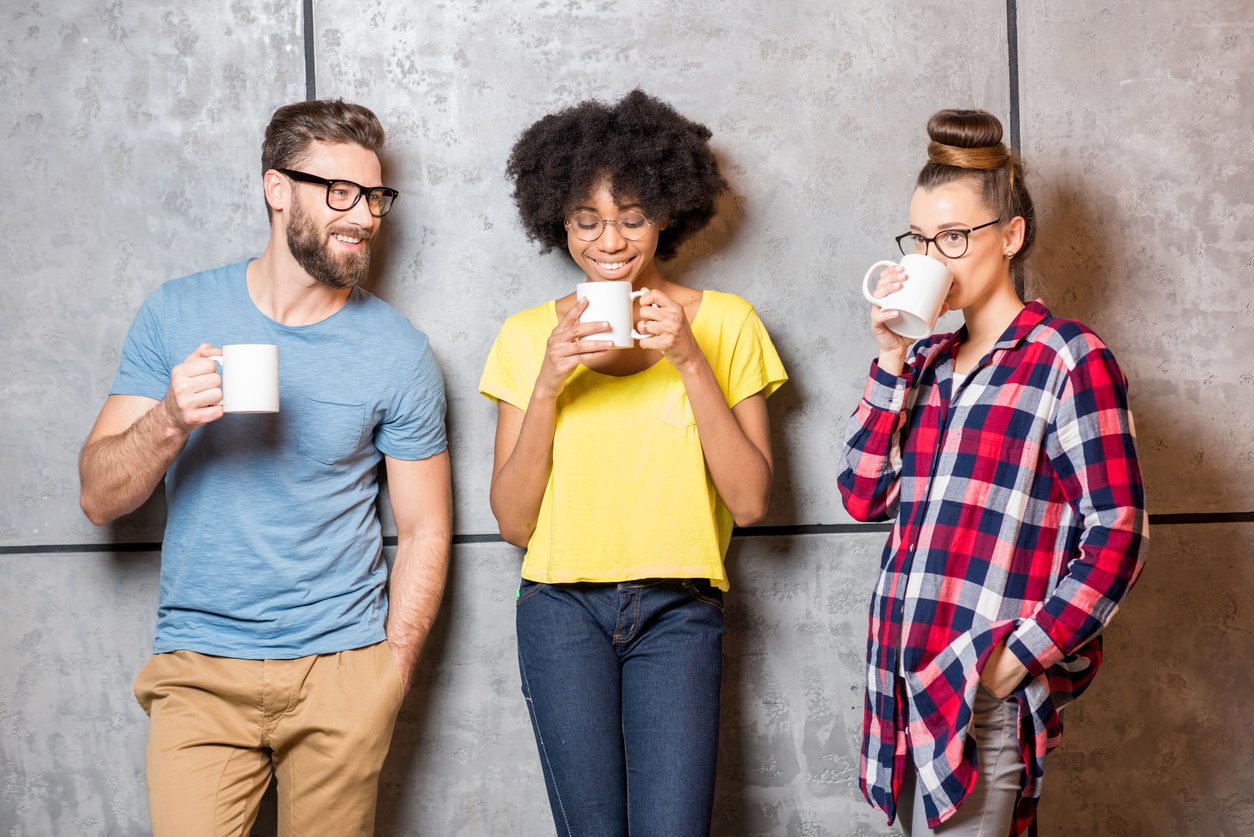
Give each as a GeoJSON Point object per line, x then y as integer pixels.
{"type": "Point", "coordinates": [220, 727]}
{"type": "Point", "coordinates": [990, 808]}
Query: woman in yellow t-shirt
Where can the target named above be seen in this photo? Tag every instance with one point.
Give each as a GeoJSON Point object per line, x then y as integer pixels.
{"type": "Point", "coordinates": [622, 471]}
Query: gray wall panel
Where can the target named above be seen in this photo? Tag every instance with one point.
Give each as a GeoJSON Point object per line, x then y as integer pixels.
{"type": "Point", "coordinates": [132, 136]}
{"type": "Point", "coordinates": [463, 760]}
{"type": "Point", "coordinates": [1149, 750]}
{"type": "Point", "coordinates": [77, 628]}
{"type": "Point", "coordinates": [817, 114]}
{"type": "Point", "coordinates": [133, 130]}
{"type": "Point", "coordinates": [1158, 745]}
{"type": "Point", "coordinates": [1145, 178]}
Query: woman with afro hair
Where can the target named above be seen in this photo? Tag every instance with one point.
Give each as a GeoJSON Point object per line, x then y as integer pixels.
{"type": "Point", "coordinates": [622, 471]}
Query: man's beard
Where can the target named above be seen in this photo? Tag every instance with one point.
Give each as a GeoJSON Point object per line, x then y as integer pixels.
{"type": "Point", "coordinates": [312, 251]}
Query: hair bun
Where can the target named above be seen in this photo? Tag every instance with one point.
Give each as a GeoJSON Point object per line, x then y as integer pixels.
{"type": "Point", "coordinates": [966, 139]}
{"type": "Point", "coordinates": [966, 147]}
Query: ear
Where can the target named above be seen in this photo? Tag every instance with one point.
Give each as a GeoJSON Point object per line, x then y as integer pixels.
{"type": "Point", "coordinates": [1012, 234]}
{"type": "Point", "coordinates": [278, 190]}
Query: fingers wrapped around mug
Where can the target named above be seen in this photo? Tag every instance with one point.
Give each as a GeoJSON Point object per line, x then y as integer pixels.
{"type": "Point", "coordinates": [665, 326]}
{"type": "Point", "coordinates": [572, 338]}
{"type": "Point", "coordinates": [570, 343]}
{"type": "Point", "coordinates": [660, 317]}
{"type": "Point", "coordinates": [194, 396]}
{"type": "Point", "coordinates": [886, 338]}
{"type": "Point", "coordinates": [890, 281]}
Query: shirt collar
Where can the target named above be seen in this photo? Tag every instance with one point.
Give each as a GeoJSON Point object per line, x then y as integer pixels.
{"type": "Point", "coordinates": [1032, 315]}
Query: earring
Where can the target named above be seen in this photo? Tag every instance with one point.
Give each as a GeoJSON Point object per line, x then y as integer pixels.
{"type": "Point", "coordinates": [1009, 254]}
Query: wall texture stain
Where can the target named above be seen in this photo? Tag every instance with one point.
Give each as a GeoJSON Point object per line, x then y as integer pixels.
{"type": "Point", "coordinates": [130, 138]}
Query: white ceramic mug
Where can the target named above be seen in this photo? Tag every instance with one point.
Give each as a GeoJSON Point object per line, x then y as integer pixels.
{"type": "Point", "coordinates": [611, 302]}
{"type": "Point", "coordinates": [250, 377]}
{"type": "Point", "coordinates": [920, 299]}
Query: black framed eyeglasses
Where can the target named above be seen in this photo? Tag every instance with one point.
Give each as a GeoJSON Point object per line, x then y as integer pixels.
{"type": "Point", "coordinates": [952, 243]}
{"type": "Point", "coordinates": [588, 226]}
{"type": "Point", "coordinates": [342, 195]}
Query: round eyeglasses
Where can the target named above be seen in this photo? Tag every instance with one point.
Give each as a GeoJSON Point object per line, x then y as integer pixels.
{"type": "Point", "coordinates": [342, 195]}
{"type": "Point", "coordinates": [588, 226]}
{"type": "Point", "coordinates": [952, 243]}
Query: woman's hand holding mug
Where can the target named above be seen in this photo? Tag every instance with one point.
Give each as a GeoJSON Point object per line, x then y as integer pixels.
{"type": "Point", "coordinates": [568, 347]}
{"type": "Point", "coordinates": [893, 347]}
{"type": "Point", "coordinates": [909, 298]}
{"type": "Point", "coordinates": [666, 329]}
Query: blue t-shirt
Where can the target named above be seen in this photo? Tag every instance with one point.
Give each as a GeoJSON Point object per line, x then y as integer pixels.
{"type": "Point", "coordinates": [273, 546]}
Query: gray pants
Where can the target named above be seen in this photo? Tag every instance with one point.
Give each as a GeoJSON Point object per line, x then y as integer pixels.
{"type": "Point", "coordinates": [989, 810]}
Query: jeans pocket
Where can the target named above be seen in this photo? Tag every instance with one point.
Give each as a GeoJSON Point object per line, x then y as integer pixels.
{"type": "Point", "coordinates": [526, 589]}
{"type": "Point", "coordinates": [703, 591]}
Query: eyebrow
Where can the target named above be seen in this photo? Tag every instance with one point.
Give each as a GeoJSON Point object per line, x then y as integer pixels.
{"type": "Point", "coordinates": [948, 225]}
{"type": "Point", "coordinates": [341, 180]}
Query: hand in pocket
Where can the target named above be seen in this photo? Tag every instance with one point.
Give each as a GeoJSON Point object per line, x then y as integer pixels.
{"type": "Point", "coordinates": [1002, 672]}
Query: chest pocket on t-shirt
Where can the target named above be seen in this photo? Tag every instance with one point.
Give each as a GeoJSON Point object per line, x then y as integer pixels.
{"type": "Point", "coordinates": [675, 409]}
{"type": "Point", "coordinates": [330, 432]}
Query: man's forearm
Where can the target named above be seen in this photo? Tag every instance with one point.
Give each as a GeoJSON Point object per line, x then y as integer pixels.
{"type": "Point", "coordinates": [414, 592]}
{"type": "Point", "coordinates": [118, 473]}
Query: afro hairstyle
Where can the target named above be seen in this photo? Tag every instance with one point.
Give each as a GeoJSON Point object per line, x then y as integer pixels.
{"type": "Point", "coordinates": [642, 147]}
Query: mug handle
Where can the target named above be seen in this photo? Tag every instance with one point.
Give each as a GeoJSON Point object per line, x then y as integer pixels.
{"type": "Point", "coordinates": [866, 288]}
{"type": "Point", "coordinates": [219, 359]}
{"type": "Point", "coordinates": [635, 335]}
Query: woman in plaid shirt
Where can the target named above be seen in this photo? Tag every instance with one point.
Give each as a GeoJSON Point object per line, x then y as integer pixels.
{"type": "Point", "coordinates": [1005, 455]}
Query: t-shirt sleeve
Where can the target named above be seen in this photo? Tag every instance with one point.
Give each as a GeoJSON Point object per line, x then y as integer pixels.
{"type": "Point", "coordinates": [144, 368]}
{"type": "Point", "coordinates": [755, 365]}
{"type": "Point", "coordinates": [502, 379]}
{"type": "Point", "coordinates": [414, 429]}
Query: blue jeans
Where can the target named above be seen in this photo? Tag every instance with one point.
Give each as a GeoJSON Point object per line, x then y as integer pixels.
{"type": "Point", "coordinates": [622, 683]}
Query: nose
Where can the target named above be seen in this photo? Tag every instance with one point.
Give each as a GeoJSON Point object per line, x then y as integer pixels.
{"type": "Point", "coordinates": [359, 214]}
{"type": "Point", "coordinates": [611, 239]}
{"type": "Point", "coordinates": [935, 252]}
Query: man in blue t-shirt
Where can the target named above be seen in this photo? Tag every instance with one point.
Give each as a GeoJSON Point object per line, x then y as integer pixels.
{"type": "Point", "coordinates": [282, 647]}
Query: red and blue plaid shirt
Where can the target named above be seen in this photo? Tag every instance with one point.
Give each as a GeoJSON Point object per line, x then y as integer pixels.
{"type": "Point", "coordinates": [1019, 516]}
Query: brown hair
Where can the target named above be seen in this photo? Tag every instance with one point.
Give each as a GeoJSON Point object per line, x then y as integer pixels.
{"type": "Point", "coordinates": [293, 127]}
{"type": "Point", "coordinates": [967, 144]}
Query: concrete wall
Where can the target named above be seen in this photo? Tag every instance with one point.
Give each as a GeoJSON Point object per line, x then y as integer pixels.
{"type": "Point", "coordinates": [131, 131]}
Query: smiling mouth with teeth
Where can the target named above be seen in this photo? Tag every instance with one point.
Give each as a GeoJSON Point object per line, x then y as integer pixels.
{"type": "Point", "coordinates": [347, 239]}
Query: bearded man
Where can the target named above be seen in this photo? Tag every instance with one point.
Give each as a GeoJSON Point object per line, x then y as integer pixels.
{"type": "Point", "coordinates": [283, 646]}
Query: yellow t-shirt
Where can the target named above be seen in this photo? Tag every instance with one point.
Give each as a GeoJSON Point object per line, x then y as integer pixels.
{"type": "Point", "coordinates": [629, 495]}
